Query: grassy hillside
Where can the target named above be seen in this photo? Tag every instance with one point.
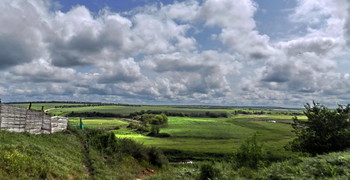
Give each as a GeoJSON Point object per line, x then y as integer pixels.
{"type": "Point", "coordinates": [75, 155]}
{"type": "Point", "coordinates": [26, 156]}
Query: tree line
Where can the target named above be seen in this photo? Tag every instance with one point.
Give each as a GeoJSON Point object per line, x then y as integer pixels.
{"type": "Point", "coordinates": [136, 114]}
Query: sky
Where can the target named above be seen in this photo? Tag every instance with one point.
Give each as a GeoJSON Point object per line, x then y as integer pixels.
{"type": "Point", "coordinates": [210, 52]}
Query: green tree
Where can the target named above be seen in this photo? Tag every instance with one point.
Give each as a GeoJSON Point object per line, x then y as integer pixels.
{"type": "Point", "coordinates": [324, 131]}
{"type": "Point", "coordinates": [165, 119]}
{"type": "Point", "coordinates": [154, 130]}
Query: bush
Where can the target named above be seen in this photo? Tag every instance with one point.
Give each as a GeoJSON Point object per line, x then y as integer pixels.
{"type": "Point", "coordinates": [138, 127]}
{"type": "Point", "coordinates": [157, 158]}
{"type": "Point", "coordinates": [154, 130]}
{"type": "Point", "coordinates": [116, 148]}
{"type": "Point", "coordinates": [207, 172]}
{"type": "Point", "coordinates": [324, 131]}
{"type": "Point", "coordinates": [250, 154]}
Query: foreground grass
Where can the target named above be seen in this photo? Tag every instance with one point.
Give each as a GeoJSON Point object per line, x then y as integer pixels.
{"type": "Point", "coordinates": [329, 166]}
{"type": "Point", "coordinates": [75, 154]}
{"type": "Point", "coordinates": [26, 156]}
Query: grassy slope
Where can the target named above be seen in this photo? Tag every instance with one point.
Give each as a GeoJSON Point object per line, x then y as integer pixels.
{"type": "Point", "coordinates": [25, 156]}
{"type": "Point", "coordinates": [60, 156]}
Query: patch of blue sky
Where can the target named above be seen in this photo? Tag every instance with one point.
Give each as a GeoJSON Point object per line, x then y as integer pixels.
{"type": "Point", "coordinates": [97, 5]}
{"type": "Point", "coordinates": [85, 69]}
{"type": "Point", "coordinates": [272, 18]}
{"type": "Point", "coordinates": [206, 37]}
{"type": "Point", "coordinates": [343, 62]}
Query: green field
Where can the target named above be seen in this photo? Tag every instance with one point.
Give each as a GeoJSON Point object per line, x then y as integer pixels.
{"type": "Point", "coordinates": [125, 110]}
{"type": "Point", "coordinates": [99, 123]}
{"type": "Point", "coordinates": [214, 135]}
{"type": "Point", "coordinates": [196, 135]}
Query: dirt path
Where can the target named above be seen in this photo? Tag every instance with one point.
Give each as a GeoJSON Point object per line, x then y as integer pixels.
{"type": "Point", "coordinates": [86, 152]}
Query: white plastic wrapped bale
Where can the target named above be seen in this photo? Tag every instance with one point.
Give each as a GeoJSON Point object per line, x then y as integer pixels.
{"type": "Point", "coordinates": [58, 124]}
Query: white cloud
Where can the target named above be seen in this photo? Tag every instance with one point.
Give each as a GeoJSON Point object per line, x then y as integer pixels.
{"type": "Point", "coordinates": [236, 18]}
{"type": "Point", "coordinates": [321, 46]}
{"type": "Point", "coordinates": [40, 71]}
{"type": "Point", "coordinates": [186, 11]}
{"type": "Point", "coordinates": [229, 14]}
{"type": "Point", "coordinates": [21, 37]}
{"type": "Point", "coordinates": [155, 53]}
{"type": "Point", "coordinates": [126, 70]}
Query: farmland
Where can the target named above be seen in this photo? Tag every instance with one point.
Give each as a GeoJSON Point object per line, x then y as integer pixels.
{"type": "Point", "coordinates": [98, 123]}
{"type": "Point", "coordinates": [126, 110]}
{"type": "Point", "coordinates": [213, 135]}
{"type": "Point", "coordinates": [192, 137]}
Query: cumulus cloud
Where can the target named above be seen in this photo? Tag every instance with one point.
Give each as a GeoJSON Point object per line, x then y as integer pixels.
{"type": "Point", "coordinates": [21, 37]}
{"type": "Point", "coordinates": [40, 71]}
{"type": "Point", "coordinates": [186, 11]}
{"type": "Point", "coordinates": [185, 52]}
{"type": "Point", "coordinates": [236, 18]}
{"type": "Point", "coordinates": [318, 45]}
{"type": "Point", "coordinates": [304, 67]}
{"type": "Point", "coordinates": [126, 70]}
{"type": "Point", "coordinates": [81, 39]}
{"type": "Point", "coordinates": [193, 74]}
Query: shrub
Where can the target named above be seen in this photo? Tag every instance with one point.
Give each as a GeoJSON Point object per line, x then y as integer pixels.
{"type": "Point", "coordinates": [207, 172]}
{"type": "Point", "coordinates": [250, 154]}
{"type": "Point", "coordinates": [154, 130]}
{"type": "Point", "coordinates": [324, 131]}
{"type": "Point", "coordinates": [157, 158]}
{"type": "Point", "coordinates": [115, 149]}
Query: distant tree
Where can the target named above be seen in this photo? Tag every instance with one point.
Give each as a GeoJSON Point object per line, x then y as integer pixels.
{"type": "Point", "coordinates": [155, 130]}
{"type": "Point", "coordinates": [159, 119]}
{"type": "Point", "coordinates": [324, 130]}
{"type": "Point", "coordinates": [165, 119]}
